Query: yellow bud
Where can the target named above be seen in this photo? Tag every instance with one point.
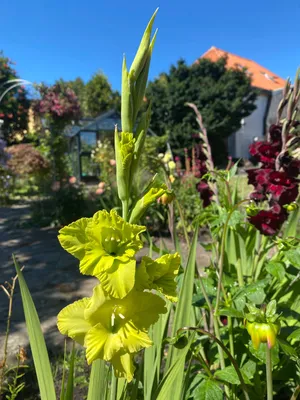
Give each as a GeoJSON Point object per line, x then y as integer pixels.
{"type": "Point", "coordinates": [263, 333]}
{"type": "Point", "coordinates": [167, 198]}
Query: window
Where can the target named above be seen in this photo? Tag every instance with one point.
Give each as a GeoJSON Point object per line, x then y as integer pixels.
{"type": "Point", "coordinates": [88, 141]}
{"type": "Point", "coordinates": [88, 167]}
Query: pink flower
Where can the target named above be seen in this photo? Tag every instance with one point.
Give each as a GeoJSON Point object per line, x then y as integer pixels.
{"type": "Point", "coordinates": [72, 180]}
{"type": "Point", "coordinates": [100, 191]}
{"type": "Point", "coordinates": [112, 162]}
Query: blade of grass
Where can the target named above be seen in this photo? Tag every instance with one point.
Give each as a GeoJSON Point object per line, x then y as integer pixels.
{"type": "Point", "coordinates": [97, 384]}
{"type": "Point", "coordinates": [182, 317]}
{"type": "Point", "coordinates": [70, 383]}
{"type": "Point", "coordinates": [62, 390]}
{"type": "Point", "coordinates": [36, 340]}
{"type": "Point", "coordinates": [174, 377]}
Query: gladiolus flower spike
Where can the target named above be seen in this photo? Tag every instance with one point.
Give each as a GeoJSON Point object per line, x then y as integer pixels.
{"type": "Point", "coordinates": [113, 323]}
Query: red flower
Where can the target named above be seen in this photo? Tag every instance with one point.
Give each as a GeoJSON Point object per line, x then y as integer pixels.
{"type": "Point", "coordinates": [268, 222]}
{"type": "Point", "coordinates": [283, 189]}
{"type": "Point", "coordinates": [275, 133]}
{"type": "Point", "coordinates": [205, 192]}
{"type": "Point", "coordinates": [258, 197]}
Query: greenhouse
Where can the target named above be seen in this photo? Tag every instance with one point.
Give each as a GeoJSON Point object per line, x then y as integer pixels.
{"type": "Point", "coordinates": [83, 140]}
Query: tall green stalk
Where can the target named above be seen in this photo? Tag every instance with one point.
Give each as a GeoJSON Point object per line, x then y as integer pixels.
{"type": "Point", "coordinates": [269, 374]}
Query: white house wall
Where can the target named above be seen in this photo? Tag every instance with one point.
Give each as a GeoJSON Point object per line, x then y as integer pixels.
{"type": "Point", "coordinates": [253, 126]}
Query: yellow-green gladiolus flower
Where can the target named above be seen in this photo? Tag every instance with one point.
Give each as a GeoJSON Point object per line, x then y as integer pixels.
{"type": "Point", "coordinates": [112, 329]}
{"type": "Point", "coordinates": [159, 274]}
{"type": "Point", "coordinates": [263, 333]}
{"type": "Point", "coordinates": [106, 246]}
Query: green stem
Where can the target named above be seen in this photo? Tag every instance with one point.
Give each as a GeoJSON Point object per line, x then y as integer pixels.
{"type": "Point", "coordinates": [230, 330]}
{"type": "Point", "coordinates": [269, 374]}
{"type": "Point", "coordinates": [186, 235]}
{"type": "Point", "coordinates": [113, 387]}
{"type": "Point", "coordinates": [222, 253]}
{"type": "Point", "coordinates": [240, 273]}
{"type": "Point", "coordinates": [204, 365]}
{"type": "Point", "coordinates": [125, 209]}
{"type": "Point", "coordinates": [218, 336]}
{"type": "Point", "coordinates": [261, 257]}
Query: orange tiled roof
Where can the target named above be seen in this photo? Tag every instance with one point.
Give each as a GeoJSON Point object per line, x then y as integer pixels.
{"type": "Point", "coordinates": [261, 77]}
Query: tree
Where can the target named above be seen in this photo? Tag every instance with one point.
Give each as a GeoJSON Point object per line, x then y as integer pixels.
{"type": "Point", "coordinates": [77, 85]}
{"type": "Point", "coordinates": [96, 96]}
{"type": "Point", "coordinates": [223, 96]}
{"type": "Point", "coordinates": [99, 96]}
{"type": "Point", "coordinates": [14, 105]}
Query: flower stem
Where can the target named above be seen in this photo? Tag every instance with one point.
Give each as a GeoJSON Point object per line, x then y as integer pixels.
{"type": "Point", "coordinates": [230, 331]}
{"type": "Point", "coordinates": [125, 209]}
{"type": "Point", "coordinates": [269, 374]}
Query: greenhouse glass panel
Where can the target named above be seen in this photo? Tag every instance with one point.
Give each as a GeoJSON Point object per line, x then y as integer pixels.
{"type": "Point", "coordinates": [88, 141]}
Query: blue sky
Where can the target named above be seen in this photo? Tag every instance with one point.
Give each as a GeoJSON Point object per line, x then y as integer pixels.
{"type": "Point", "coordinates": [64, 38]}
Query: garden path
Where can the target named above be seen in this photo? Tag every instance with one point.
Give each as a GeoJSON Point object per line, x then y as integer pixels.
{"type": "Point", "coordinates": [51, 273]}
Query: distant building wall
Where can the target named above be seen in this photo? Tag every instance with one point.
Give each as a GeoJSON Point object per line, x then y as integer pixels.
{"type": "Point", "coordinates": [253, 126]}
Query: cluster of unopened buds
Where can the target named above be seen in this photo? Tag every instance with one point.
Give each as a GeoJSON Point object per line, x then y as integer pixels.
{"type": "Point", "coordinates": [113, 323]}
{"type": "Point", "coordinates": [278, 187]}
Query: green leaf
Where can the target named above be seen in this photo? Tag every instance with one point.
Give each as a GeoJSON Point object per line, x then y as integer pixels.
{"type": "Point", "coordinates": [97, 385]}
{"type": "Point", "coordinates": [254, 292]}
{"type": "Point", "coordinates": [293, 256]}
{"type": "Point", "coordinates": [294, 335]}
{"type": "Point", "coordinates": [231, 312]}
{"type": "Point", "coordinates": [248, 369]}
{"type": "Point", "coordinates": [174, 377]}
{"type": "Point", "coordinates": [260, 353]}
{"type": "Point", "coordinates": [208, 390]}
{"type": "Point", "coordinates": [70, 383]}
{"type": "Point", "coordinates": [286, 347]}
{"type": "Point", "coordinates": [271, 309]}
{"type": "Point", "coordinates": [228, 374]}
{"type": "Point", "coordinates": [37, 341]}
{"type": "Point", "coordinates": [233, 170]}
{"type": "Point", "coordinates": [182, 317]}
{"type": "Point", "coordinates": [276, 269]}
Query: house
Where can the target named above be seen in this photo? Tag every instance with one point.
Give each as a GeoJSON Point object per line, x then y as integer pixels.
{"type": "Point", "coordinates": [269, 87]}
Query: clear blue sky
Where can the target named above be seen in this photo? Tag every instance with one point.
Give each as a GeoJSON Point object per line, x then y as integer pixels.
{"type": "Point", "coordinates": [50, 39]}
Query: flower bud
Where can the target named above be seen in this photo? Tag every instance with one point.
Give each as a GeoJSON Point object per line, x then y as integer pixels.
{"type": "Point", "coordinates": [167, 198]}
{"type": "Point", "coordinates": [291, 207]}
{"type": "Point", "coordinates": [263, 333]}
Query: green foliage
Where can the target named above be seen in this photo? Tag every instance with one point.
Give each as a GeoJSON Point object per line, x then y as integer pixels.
{"type": "Point", "coordinates": [223, 96]}
{"type": "Point", "coordinates": [37, 341]}
{"type": "Point", "coordinates": [15, 104]}
{"type": "Point", "coordinates": [67, 202]}
{"type": "Point", "coordinates": [98, 96]}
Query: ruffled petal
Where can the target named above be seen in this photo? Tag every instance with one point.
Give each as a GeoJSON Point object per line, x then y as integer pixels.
{"type": "Point", "coordinates": [123, 366]}
{"type": "Point", "coordinates": [73, 237]}
{"type": "Point", "coordinates": [145, 308]}
{"type": "Point", "coordinates": [71, 320]}
{"type": "Point", "coordinates": [118, 280]}
{"type": "Point", "coordinates": [95, 260]}
{"type": "Point", "coordinates": [101, 343]}
{"type": "Point", "coordinates": [134, 339]}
